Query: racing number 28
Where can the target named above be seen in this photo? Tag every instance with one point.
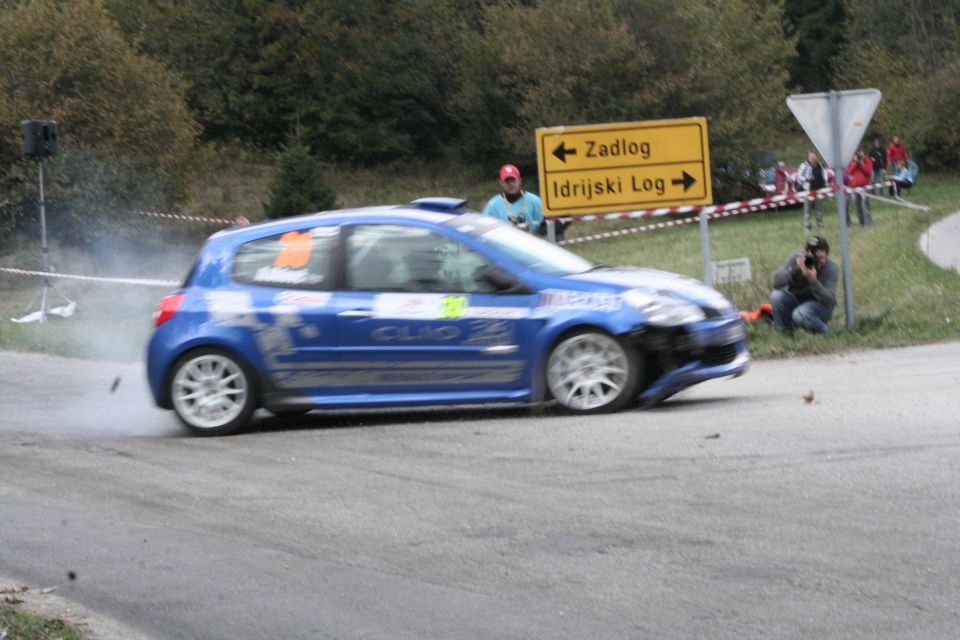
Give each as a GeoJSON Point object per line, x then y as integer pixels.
{"type": "Point", "coordinates": [296, 249]}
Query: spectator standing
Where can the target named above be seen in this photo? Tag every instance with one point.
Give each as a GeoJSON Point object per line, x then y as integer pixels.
{"type": "Point", "coordinates": [513, 204]}
{"type": "Point", "coordinates": [860, 171]}
{"type": "Point", "coordinates": [805, 289]}
{"type": "Point", "coordinates": [879, 160]}
{"type": "Point", "coordinates": [811, 177]}
{"type": "Point", "coordinates": [895, 153]}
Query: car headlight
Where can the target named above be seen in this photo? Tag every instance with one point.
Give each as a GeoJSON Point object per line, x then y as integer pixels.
{"type": "Point", "coordinates": [718, 301]}
{"type": "Point", "coordinates": [663, 311]}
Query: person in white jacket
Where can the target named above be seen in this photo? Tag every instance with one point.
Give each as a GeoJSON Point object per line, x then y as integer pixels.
{"type": "Point", "coordinates": [812, 176]}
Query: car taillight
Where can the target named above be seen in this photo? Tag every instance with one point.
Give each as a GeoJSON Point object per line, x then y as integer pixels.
{"type": "Point", "coordinates": [167, 307]}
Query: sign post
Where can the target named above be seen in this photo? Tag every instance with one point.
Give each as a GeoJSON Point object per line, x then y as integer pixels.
{"type": "Point", "coordinates": [835, 122]}
{"type": "Point", "coordinates": [621, 166]}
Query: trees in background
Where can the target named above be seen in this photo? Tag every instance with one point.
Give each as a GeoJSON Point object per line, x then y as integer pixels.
{"type": "Point", "coordinates": [558, 62]}
{"type": "Point", "coordinates": [125, 130]}
{"type": "Point", "coordinates": [819, 27]}
{"type": "Point", "coordinates": [364, 82]}
{"type": "Point", "coordinates": [910, 50]}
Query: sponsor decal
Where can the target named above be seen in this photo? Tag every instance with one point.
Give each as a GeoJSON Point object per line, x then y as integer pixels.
{"type": "Point", "coordinates": [282, 275]}
{"type": "Point", "coordinates": [579, 300]}
{"type": "Point", "coordinates": [419, 306]}
{"type": "Point", "coordinates": [303, 298]}
{"type": "Point", "coordinates": [497, 313]}
{"type": "Point", "coordinates": [490, 333]}
{"type": "Point", "coordinates": [221, 304]}
{"type": "Point", "coordinates": [407, 333]}
{"type": "Point", "coordinates": [438, 306]}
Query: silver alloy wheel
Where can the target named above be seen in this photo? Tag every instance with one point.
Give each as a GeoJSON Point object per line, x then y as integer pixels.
{"type": "Point", "coordinates": [209, 391]}
{"type": "Point", "coordinates": [588, 371]}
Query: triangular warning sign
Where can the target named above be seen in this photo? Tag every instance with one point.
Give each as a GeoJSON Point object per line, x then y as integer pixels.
{"type": "Point", "coordinates": [856, 108]}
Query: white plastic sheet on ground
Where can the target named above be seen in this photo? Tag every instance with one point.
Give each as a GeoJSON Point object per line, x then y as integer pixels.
{"type": "Point", "coordinates": [65, 311]}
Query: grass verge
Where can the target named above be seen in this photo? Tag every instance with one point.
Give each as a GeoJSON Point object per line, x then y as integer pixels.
{"type": "Point", "coordinates": [899, 296]}
{"type": "Point", "coordinates": [20, 625]}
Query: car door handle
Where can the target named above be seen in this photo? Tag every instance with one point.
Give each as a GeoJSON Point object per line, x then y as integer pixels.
{"type": "Point", "coordinates": [355, 313]}
{"type": "Point", "coordinates": [500, 350]}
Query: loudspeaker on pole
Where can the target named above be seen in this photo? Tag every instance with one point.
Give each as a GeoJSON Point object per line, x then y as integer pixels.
{"type": "Point", "coordinates": [38, 138]}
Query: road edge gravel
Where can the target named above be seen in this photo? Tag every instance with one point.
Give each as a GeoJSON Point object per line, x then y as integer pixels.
{"type": "Point", "coordinates": [46, 602]}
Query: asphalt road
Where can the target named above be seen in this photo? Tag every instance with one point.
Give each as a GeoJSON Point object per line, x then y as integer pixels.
{"type": "Point", "coordinates": [738, 510]}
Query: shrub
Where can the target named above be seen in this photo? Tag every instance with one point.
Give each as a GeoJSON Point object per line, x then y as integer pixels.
{"type": "Point", "coordinates": [298, 185]}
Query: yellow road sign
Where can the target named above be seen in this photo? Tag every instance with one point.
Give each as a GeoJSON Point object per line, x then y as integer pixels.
{"type": "Point", "coordinates": [630, 165]}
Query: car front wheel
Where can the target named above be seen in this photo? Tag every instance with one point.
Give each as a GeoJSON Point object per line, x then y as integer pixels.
{"type": "Point", "coordinates": [212, 393]}
{"type": "Point", "coordinates": [590, 371]}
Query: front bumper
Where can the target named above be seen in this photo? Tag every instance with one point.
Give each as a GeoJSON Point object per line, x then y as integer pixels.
{"type": "Point", "coordinates": [684, 356]}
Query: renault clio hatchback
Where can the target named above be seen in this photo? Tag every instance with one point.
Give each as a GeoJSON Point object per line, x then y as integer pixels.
{"type": "Point", "coordinates": [421, 305]}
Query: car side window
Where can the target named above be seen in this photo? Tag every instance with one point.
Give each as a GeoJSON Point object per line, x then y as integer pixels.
{"type": "Point", "coordinates": [385, 257]}
{"type": "Point", "coordinates": [300, 259]}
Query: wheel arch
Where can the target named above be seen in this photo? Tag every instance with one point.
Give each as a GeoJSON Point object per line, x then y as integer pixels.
{"type": "Point", "coordinates": [638, 360]}
{"type": "Point", "coordinates": [257, 377]}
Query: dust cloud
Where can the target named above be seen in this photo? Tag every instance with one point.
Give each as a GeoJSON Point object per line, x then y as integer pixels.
{"type": "Point", "coordinates": [99, 387]}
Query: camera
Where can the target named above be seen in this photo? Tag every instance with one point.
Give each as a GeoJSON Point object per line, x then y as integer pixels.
{"type": "Point", "coordinates": [814, 244]}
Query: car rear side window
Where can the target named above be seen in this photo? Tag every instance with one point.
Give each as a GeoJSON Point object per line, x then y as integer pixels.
{"type": "Point", "coordinates": [293, 259]}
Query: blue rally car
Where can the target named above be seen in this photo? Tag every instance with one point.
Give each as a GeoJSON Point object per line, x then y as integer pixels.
{"type": "Point", "coordinates": [424, 304]}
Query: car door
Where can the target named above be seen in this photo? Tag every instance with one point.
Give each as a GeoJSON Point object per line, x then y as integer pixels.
{"type": "Point", "coordinates": [286, 282]}
{"type": "Point", "coordinates": [415, 318]}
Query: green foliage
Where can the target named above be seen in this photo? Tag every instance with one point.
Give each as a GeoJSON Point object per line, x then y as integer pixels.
{"type": "Point", "coordinates": [819, 29]}
{"type": "Point", "coordinates": [125, 132]}
{"type": "Point", "coordinates": [910, 50]}
{"type": "Point", "coordinates": [571, 62]}
{"type": "Point", "coordinates": [364, 80]}
{"type": "Point", "coordinates": [298, 185]}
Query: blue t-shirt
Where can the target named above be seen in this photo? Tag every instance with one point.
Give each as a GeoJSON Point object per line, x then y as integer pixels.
{"type": "Point", "coordinates": [526, 208]}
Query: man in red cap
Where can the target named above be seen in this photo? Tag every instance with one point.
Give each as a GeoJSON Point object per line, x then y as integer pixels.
{"type": "Point", "coordinates": [513, 204]}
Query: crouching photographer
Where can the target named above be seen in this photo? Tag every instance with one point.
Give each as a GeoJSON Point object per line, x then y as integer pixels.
{"type": "Point", "coordinates": [805, 289]}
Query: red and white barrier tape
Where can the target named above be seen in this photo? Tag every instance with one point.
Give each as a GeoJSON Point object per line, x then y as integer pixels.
{"type": "Point", "coordinates": [149, 282]}
{"type": "Point", "coordinates": [778, 200]}
{"type": "Point", "coordinates": [717, 211]}
{"type": "Point", "coordinates": [185, 218]}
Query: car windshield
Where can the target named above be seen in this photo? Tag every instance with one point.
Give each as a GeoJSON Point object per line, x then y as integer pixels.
{"type": "Point", "coordinates": [527, 249]}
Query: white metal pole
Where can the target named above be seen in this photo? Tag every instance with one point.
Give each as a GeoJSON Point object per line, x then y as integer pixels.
{"type": "Point", "coordinates": [841, 205]}
{"type": "Point", "coordinates": [46, 250]}
{"type": "Point", "coordinates": [705, 250]}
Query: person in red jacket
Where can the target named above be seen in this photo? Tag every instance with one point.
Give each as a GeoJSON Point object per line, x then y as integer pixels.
{"type": "Point", "coordinates": [861, 171]}
{"type": "Point", "coordinates": [895, 153]}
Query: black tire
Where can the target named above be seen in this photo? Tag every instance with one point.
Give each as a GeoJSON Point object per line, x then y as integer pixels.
{"type": "Point", "coordinates": [590, 371]}
{"type": "Point", "coordinates": [212, 392]}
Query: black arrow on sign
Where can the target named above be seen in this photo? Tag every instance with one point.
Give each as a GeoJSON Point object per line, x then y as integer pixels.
{"type": "Point", "coordinates": [686, 181]}
{"type": "Point", "coordinates": [562, 152]}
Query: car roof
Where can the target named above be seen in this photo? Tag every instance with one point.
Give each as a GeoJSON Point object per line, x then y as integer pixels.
{"type": "Point", "coordinates": [431, 210]}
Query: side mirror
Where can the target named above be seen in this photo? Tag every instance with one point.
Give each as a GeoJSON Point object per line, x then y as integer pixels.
{"type": "Point", "coordinates": [501, 280]}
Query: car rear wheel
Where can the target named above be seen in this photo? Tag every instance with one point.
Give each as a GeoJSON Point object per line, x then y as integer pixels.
{"type": "Point", "coordinates": [590, 371]}
{"type": "Point", "coordinates": [212, 393]}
